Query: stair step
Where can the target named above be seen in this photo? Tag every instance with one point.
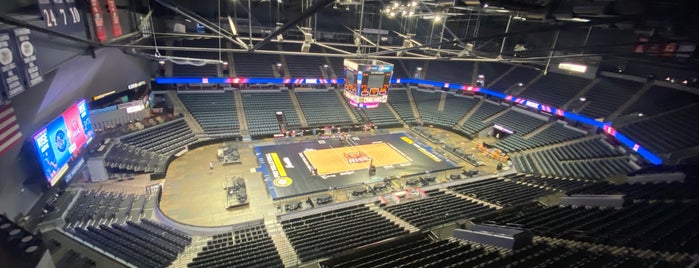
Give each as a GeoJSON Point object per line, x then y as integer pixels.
{"type": "Point", "coordinates": [538, 130]}
{"type": "Point", "coordinates": [297, 107]}
{"type": "Point", "coordinates": [190, 252]}
{"type": "Point", "coordinates": [413, 105]}
{"type": "Point", "coordinates": [346, 106]}
{"type": "Point", "coordinates": [281, 242]}
{"type": "Point", "coordinates": [179, 107]}
{"type": "Point", "coordinates": [393, 218]}
{"type": "Point", "coordinates": [630, 101]}
{"type": "Point", "coordinates": [468, 114]}
{"type": "Point", "coordinates": [479, 201]}
{"type": "Point", "coordinates": [242, 120]}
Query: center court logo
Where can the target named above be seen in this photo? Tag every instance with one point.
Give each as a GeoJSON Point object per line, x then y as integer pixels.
{"type": "Point", "coordinates": [356, 157]}
{"type": "Point", "coordinates": [282, 181]}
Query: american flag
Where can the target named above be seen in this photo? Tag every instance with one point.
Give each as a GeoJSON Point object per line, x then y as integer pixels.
{"type": "Point", "coordinates": [9, 129]}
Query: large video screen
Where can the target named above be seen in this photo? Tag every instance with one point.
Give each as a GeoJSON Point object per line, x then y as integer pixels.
{"type": "Point", "coordinates": [350, 77]}
{"type": "Point", "coordinates": [61, 140]}
{"type": "Point", "coordinates": [376, 80]}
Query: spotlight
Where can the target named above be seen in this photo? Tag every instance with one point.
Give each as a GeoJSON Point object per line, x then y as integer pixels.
{"type": "Point", "coordinates": [466, 51]}
{"type": "Point", "coordinates": [437, 18]}
{"type": "Point", "coordinates": [280, 38]}
{"type": "Point", "coordinates": [307, 40]}
{"type": "Point", "coordinates": [582, 99]}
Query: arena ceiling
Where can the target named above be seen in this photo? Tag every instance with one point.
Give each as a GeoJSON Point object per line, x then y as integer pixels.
{"type": "Point", "coordinates": [515, 31]}
{"type": "Point", "coordinates": [616, 25]}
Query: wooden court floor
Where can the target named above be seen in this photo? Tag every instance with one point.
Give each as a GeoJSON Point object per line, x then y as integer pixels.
{"type": "Point", "coordinates": [334, 160]}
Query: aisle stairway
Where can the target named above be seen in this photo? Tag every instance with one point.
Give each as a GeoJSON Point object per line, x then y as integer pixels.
{"type": "Point", "coordinates": [518, 90]}
{"type": "Point", "coordinates": [560, 144]}
{"type": "Point", "coordinates": [297, 107]}
{"type": "Point", "coordinates": [468, 114]}
{"type": "Point", "coordinates": [581, 93]}
{"type": "Point", "coordinates": [479, 201]}
{"type": "Point", "coordinates": [630, 101]}
{"type": "Point", "coordinates": [179, 108]}
{"type": "Point", "coordinates": [393, 218]}
{"type": "Point", "coordinates": [413, 105]}
{"type": "Point", "coordinates": [190, 252]}
{"type": "Point", "coordinates": [281, 242]}
{"type": "Point", "coordinates": [346, 105]}
{"type": "Point", "coordinates": [538, 130]}
{"type": "Point", "coordinates": [330, 71]}
{"type": "Point", "coordinates": [229, 58]}
{"type": "Point", "coordinates": [442, 102]}
{"type": "Point", "coordinates": [395, 114]}
{"type": "Point", "coordinates": [243, 123]}
{"type": "Point", "coordinates": [512, 68]}
{"type": "Point", "coordinates": [492, 117]}
{"type": "Point", "coordinates": [285, 67]}
{"type": "Point", "coordinates": [362, 114]}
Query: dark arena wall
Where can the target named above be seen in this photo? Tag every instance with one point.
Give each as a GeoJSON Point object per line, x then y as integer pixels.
{"type": "Point", "coordinates": [67, 77]}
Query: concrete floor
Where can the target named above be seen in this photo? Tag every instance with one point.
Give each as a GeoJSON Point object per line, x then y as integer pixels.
{"type": "Point", "coordinates": [468, 146]}
{"type": "Point", "coordinates": [193, 196]}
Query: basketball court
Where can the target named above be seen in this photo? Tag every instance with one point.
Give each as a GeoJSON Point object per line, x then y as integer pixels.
{"type": "Point", "coordinates": [343, 159]}
{"type": "Point", "coordinates": [288, 169]}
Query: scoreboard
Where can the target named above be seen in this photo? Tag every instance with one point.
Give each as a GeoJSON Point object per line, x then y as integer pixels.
{"type": "Point", "coordinates": [367, 82]}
